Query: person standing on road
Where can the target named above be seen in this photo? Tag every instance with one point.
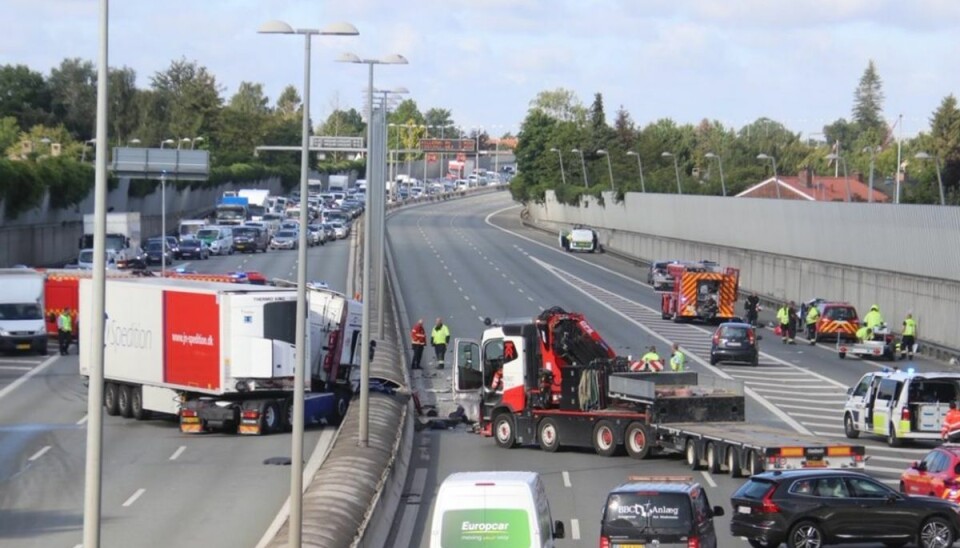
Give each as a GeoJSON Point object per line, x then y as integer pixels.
{"type": "Point", "coordinates": [439, 338]}
{"type": "Point", "coordinates": [752, 307]}
{"type": "Point", "coordinates": [951, 422]}
{"type": "Point", "coordinates": [783, 318]}
{"type": "Point", "coordinates": [418, 340]}
{"type": "Point", "coordinates": [678, 362]}
{"type": "Point", "coordinates": [874, 318]}
{"type": "Point", "coordinates": [813, 316]}
{"type": "Point", "coordinates": [64, 330]}
{"type": "Point", "coordinates": [792, 320]}
{"type": "Point", "coordinates": [909, 339]}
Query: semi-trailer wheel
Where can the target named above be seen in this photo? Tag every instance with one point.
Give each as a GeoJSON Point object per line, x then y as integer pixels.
{"type": "Point", "coordinates": [269, 417]}
{"type": "Point", "coordinates": [340, 404]}
{"type": "Point", "coordinates": [604, 439]}
{"type": "Point", "coordinates": [110, 396]}
{"type": "Point", "coordinates": [136, 404]}
{"type": "Point", "coordinates": [124, 403]}
{"type": "Point", "coordinates": [548, 435]}
{"type": "Point", "coordinates": [755, 464]}
{"type": "Point", "coordinates": [693, 459]}
{"type": "Point", "coordinates": [503, 430]}
{"type": "Point", "coordinates": [714, 462]}
{"type": "Point", "coordinates": [637, 440]}
{"type": "Point", "coordinates": [733, 463]}
{"type": "Point", "coordinates": [848, 427]}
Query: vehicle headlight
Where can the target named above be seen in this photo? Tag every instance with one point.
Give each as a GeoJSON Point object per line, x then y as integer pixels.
{"type": "Point", "coordinates": [4, 333]}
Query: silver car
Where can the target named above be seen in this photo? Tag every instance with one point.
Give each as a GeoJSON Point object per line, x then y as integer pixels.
{"type": "Point", "coordinates": [285, 239]}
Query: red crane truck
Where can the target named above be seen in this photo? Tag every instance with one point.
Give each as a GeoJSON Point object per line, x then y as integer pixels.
{"type": "Point", "coordinates": [553, 381]}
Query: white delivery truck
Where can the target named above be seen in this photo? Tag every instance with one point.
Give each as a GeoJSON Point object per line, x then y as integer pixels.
{"type": "Point", "coordinates": [188, 228]}
{"type": "Point", "coordinates": [338, 183]}
{"type": "Point", "coordinates": [219, 356]}
{"type": "Point", "coordinates": [123, 236]}
{"type": "Point", "coordinates": [22, 325]}
{"type": "Point", "coordinates": [258, 201]}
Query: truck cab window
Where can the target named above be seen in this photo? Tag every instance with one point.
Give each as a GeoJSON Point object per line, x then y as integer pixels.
{"type": "Point", "coordinates": [492, 359]}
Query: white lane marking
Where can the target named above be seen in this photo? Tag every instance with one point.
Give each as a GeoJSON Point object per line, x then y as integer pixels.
{"type": "Point", "coordinates": [15, 367]}
{"type": "Point", "coordinates": [16, 384]}
{"type": "Point", "coordinates": [473, 307]}
{"type": "Point", "coordinates": [821, 425]}
{"type": "Point", "coordinates": [530, 299]}
{"type": "Point", "coordinates": [815, 416]}
{"type": "Point", "coordinates": [891, 459]}
{"type": "Point", "coordinates": [898, 449]}
{"type": "Point", "coordinates": [575, 529]}
{"type": "Point", "coordinates": [709, 478]}
{"type": "Point", "coordinates": [566, 479]}
{"type": "Point", "coordinates": [783, 386]}
{"type": "Point", "coordinates": [178, 452]}
{"type": "Point", "coordinates": [133, 498]}
{"type": "Point", "coordinates": [896, 471]}
{"type": "Point", "coordinates": [808, 394]}
{"type": "Point", "coordinates": [39, 453]}
{"type": "Point", "coordinates": [838, 403]}
{"type": "Point", "coordinates": [82, 421]}
{"type": "Point", "coordinates": [466, 298]}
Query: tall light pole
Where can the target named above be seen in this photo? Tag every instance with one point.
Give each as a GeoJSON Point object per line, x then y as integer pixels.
{"type": "Point", "coordinates": [936, 159]}
{"type": "Point", "coordinates": [583, 166]}
{"type": "Point", "coordinates": [163, 223]}
{"type": "Point", "coordinates": [676, 168]}
{"type": "Point", "coordinates": [873, 157]}
{"type": "Point", "coordinates": [846, 178]}
{"type": "Point", "coordinates": [723, 184]}
{"type": "Point", "coordinates": [563, 176]}
{"type": "Point", "coordinates": [166, 142]}
{"type": "Point", "coordinates": [776, 178]}
{"type": "Point", "coordinates": [377, 194]}
{"type": "Point", "coordinates": [603, 152]}
{"type": "Point", "coordinates": [92, 488]}
{"type": "Point", "coordinates": [194, 142]}
{"type": "Point", "coordinates": [643, 187]}
{"type": "Point", "coordinates": [296, 450]}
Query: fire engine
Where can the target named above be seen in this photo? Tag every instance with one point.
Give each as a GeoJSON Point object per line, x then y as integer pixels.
{"type": "Point", "coordinates": [553, 381]}
{"type": "Point", "coordinates": [701, 291]}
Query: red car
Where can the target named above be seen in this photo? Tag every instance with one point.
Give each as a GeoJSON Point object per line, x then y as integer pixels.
{"type": "Point", "coordinates": [935, 475]}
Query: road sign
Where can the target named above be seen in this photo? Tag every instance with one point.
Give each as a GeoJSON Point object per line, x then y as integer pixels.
{"type": "Point", "coordinates": [328, 143]}
{"type": "Point", "coordinates": [448, 145]}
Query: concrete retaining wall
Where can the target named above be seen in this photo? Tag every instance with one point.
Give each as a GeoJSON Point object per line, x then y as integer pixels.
{"type": "Point", "coordinates": [775, 245]}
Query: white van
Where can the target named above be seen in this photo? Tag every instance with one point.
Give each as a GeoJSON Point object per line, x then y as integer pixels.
{"type": "Point", "coordinates": [22, 325]}
{"type": "Point", "coordinates": [501, 508]}
{"type": "Point", "coordinates": [219, 238]}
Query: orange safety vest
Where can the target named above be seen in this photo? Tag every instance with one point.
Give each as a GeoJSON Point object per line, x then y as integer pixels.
{"type": "Point", "coordinates": [418, 335]}
{"type": "Point", "coordinates": [950, 423]}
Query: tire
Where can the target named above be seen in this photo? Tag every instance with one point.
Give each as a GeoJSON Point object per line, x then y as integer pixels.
{"type": "Point", "coordinates": [604, 439]}
{"type": "Point", "coordinates": [848, 427]}
{"type": "Point", "coordinates": [714, 462]}
{"type": "Point", "coordinates": [755, 464]}
{"type": "Point", "coordinates": [269, 418]}
{"type": "Point", "coordinates": [42, 351]}
{"type": "Point", "coordinates": [110, 395]}
{"type": "Point", "coordinates": [805, 534]}
{"type": "Point", "coordinates": [136, 404]}
{"type": "Point", "coordinates": [936, 533]}
{"type": "Point", "coordinates": [124, 402]}
{"type": "Point", "coordinates": [690, 453]}
{"type": "Point", "coordinates": [842, 355]}
{"type": "Point", "coordinates": [341, 404]}
{"type": "Point", "coordinates": [892, 439]}
{"type": "Point", "coordinates": [548, 435]}
{"type": "Point", "coordinates": [714, 360]}
{"type": "Point", "coordinates": [760, 544]}
{"type": "Point", "coordinates": [733, 463]}
{"type": "Point", "coordinates": [503, 431]}
{"type": "Point", "coordinates": [636, 439]}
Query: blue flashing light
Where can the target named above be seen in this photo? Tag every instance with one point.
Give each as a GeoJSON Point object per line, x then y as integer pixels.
{"type": "Point", "coordinates": [911, 371]}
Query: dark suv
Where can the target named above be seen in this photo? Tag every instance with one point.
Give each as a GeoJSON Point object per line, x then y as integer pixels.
{"type": "Point", "coordinates": [735, 341]}
{"type": "Point", "coordinates": [250, 239]}
{"type": "Point", "coordinates": [812, 508]}
{"type": "Point", "coordinates": [659, 511]}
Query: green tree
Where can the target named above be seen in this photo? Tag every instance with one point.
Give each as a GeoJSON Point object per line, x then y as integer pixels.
{"type": "Point", "coordinates": [24, 94]}
{"type": "Point", "coordinates": [193, 97]}
{"type": "Point", "coordinates": [9, 132]}
{"type": "Point", "coordinates": [152, 110]}
{"type": "Point", "coordinates": [537, 166]}
{"type": "Point", "coordinates": [123, 115]}
{"type": "Point", "coordinates": [945, 141]}
{"type": "Point", "coordinates": [73, 96]}
{"type": "Point", "coordinates": [250, 100]}
{"type": "Point", "coordinates": [288, 104]}
{"type": "Point", "coordinates": [344, 122]}
{"type": "Point", "coordinates": [560, 104]}
{"type": "Point", "coordinates": [439, 118]}
{"type": "Point", "coordinates": [868, 104]}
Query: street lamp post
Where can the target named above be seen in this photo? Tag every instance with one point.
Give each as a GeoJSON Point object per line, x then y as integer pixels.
{"type": "Point", "coordinates": [643, 187]}
{"type": "Point", "coordinates": [563, 176]}
{"type": "Point", "coordinates": [846, 178]}
{"type": "Point", "coordinates": [603, 152]}
{"type": "Point", "coordinates": [676, 169]}
{"type": "Point", "coordinates": [873, 157]}
{"type": "Point", "coordinates": [936, 159]}
{"type": "Point", "coordinates": [723, 184]}
{"type": "Point", "coordinates": [166, 142]}
{"type": "Point", "coordinates": [296, 452]}
{"type": "Point", "coordinates": [776, 179]}
{"type": "Point", "coordinates": [195, 141]}
{"type": "Point", "coordinates": [583, 166]}
{"type": "Point", "coordinates": [163, 223]}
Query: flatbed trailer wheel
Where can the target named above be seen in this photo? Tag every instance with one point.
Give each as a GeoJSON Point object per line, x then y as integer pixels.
{"type": "Point", "coordinates": [733, 463]}
{"type": "Point", "coordinates": [693, 457]}
{"type": "Point", "coordinates": [136, 404]}
{"type": "Point", "coordinates": [636, 439]}
{"type": "Point", "coordinates": [124, 402]}
{"type": "Point", "coordinates": [548, 435]}
{"type": "Point", "coordinates": [755, 464]}
{"type": "Point", "coordinates": [714, 460]}
{"type": "Point", "coordinates": [604, 439]}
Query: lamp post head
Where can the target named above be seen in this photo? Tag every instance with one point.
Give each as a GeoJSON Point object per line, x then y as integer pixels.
{"type": "Point", "coordinates": [632, 153]}
{"type": "Point", "coordinates": [555, 149]}
{"type": "Point", "coordinates": [347, 57]}
{"type": "Point", "coordinates": [195, 139]}
{"type": "Point", "coordinates": [922, 155]}
{"type": "Point", "coordinates": [339, 29]}
{"type": "Point", "coordinates": [763, 156]}
{"type": "Point", "coordinates": [395, 59]}
{"type": "Point", "coordinates": [399, 90]}
{"type": "Point", "coordinates": [576, 151]}
{"type": "Point", "coordinates": [710, 155]}
{"type": "Point", "coordinates": [133, 141]}
{"type": "Point", "coordinates": [832, 156]}
{"type": "Point", "coordinates": [167, 142]}
{"type": "Point", "coordinates": [601, 152]}
{"type": "Point", "coordinates": [666, 154]}
{"type": "Point", "coordinates": [275, 27]}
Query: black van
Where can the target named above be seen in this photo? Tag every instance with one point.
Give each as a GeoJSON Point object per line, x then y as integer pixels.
{"type": "Point", "coordinates": [666, 510]}
{"type": "Point", "coordinates": [250, 239]}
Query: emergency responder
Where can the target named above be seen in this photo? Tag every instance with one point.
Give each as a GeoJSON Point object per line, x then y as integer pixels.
{"type": "Point", "coordinates": [951, 422]}
{"type": "Point", "coordinates": [783, 317]}
{"type": "Point", "coordinates": [418, 340]}
{"type": "Point", "coordinates": [873, 319]}
{"type": "Point", "coordinates": [64, 330]}
{"type": "Point", "coordinates": [678, 362]}
{"type": "Point", "coordinates": [651, 360]}
{"type": "Point", "coordinates": [752, 307]}
{"type": "Point", "coordinates": [792, 320]}
{"type": "Point", "coordinates": [439, 338]}
{"type": "Point", "coordinates": [909, 339]}
{"type": "Point", "coordinates": [813, 316]}
{"type": "Point", "coordinates": [864, 334]}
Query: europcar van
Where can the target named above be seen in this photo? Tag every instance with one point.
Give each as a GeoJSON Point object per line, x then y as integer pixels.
{"type": "Point", "coordinates": [493, 509]}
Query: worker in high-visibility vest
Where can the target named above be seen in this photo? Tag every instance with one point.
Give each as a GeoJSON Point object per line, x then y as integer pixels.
{"type": "Point", "coordinates": [678, 362]}
{"type": "Point", "coordinates": [783, 317]}
{"type": "Point", "coordinates": [909, 339]}
{"type": "Point", "coordinates": [874, 318]}
{"type": "Point", "coordinates": [813, 316]}
{"type": "Point", "coordinates": [951, 422]}
{"type": "Point", "coordinates": [64, 330]}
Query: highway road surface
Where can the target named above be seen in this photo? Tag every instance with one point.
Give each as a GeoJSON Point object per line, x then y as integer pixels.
{"type": "Point", "coordinates": [478, 261]}
{"type": "Point", "coordinates": [160, 488]}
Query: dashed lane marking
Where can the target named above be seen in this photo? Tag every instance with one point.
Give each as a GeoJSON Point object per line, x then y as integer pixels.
{"type": "Point", "coordinates": [133, 498]}
{"type": "Point", "coordinates": [566, 479]}
{"type": "Point", "coordinates": [709, 478]}
{"type": "Point", "coordinates": [40, 453]}
{"type": "Point", "coordinates": [178, 452]}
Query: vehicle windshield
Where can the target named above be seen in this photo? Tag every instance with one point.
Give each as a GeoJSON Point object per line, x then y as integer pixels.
{"type": "Point", "coordinates": [244, 231]}
{"type": "Point", "coordinates": [190, 243]}
{"type": "Point", "coordinates": [208, 234]}
{"type": "Point", "coordinates": [734, 332]}
{"type": "Point", "coordinates": [230, 212]}
{"type": "Point", "coordinates": [286, 234]}
{"type": "Point", "coordinates": [648, 510]}
{"type": "Point", "coordinates": [86, 256]}
{"type": "Point", "coordinates": [20, 311]}
{"type": "Point", "coordinates": [116, 242]}
{"type": "Point", "coordinates": [189, 230]}
{"type": "Point", "coordinates": [840, 313]}
{"type": "Point", "coordinates": [153, 246]}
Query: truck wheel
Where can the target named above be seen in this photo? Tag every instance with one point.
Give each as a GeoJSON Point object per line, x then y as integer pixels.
{"type": "Point", "coordinates": [693, 459]}
{"type": "Point", "coordinates": [714, 462]}
{"type": "Point", "coordinates": [756, 463]}
{"type": "Point", "coordinates": [892, 439]}
{"type": "Point", "coordinates": [503, 431]}
{"type": "Point", "coordinates": [287, 416]}
{"type": "Point", "coordinates": [733, 463]}
{"type": "Point", "coordinates": [637, 440]}
{"type": "Point", "coordinates": [604, 439]}
{"type": "Point", "coordinates": [269, 418]}
{"type": "Point", "coordinates": [124, 403]}
{"type": "Point", "coordinates": [110, 395]}
{"type": "Point", "coordinates": [548, 435]}
{"type": "Point", "coordinates": [848, 427]}
{"type": "Point", "coordinates": [340, 404]}
{"type": "Point", "coordinates": [136, 404]}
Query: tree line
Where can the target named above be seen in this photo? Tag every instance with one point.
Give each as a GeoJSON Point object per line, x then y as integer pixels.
{"type": "Point", "coordinates": [558, 123]}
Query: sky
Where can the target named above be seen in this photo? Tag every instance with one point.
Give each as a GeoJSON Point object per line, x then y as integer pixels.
{"type": "Point", "coordinates": [794, 61]}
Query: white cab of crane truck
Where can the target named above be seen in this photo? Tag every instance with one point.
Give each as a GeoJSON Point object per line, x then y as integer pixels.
{"type": "Point", "coordinates": [123, 235]}
{"type": "Point", "coordinates": [22, 325]}
{"type": "Point", "coordinates": [220, 356]}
